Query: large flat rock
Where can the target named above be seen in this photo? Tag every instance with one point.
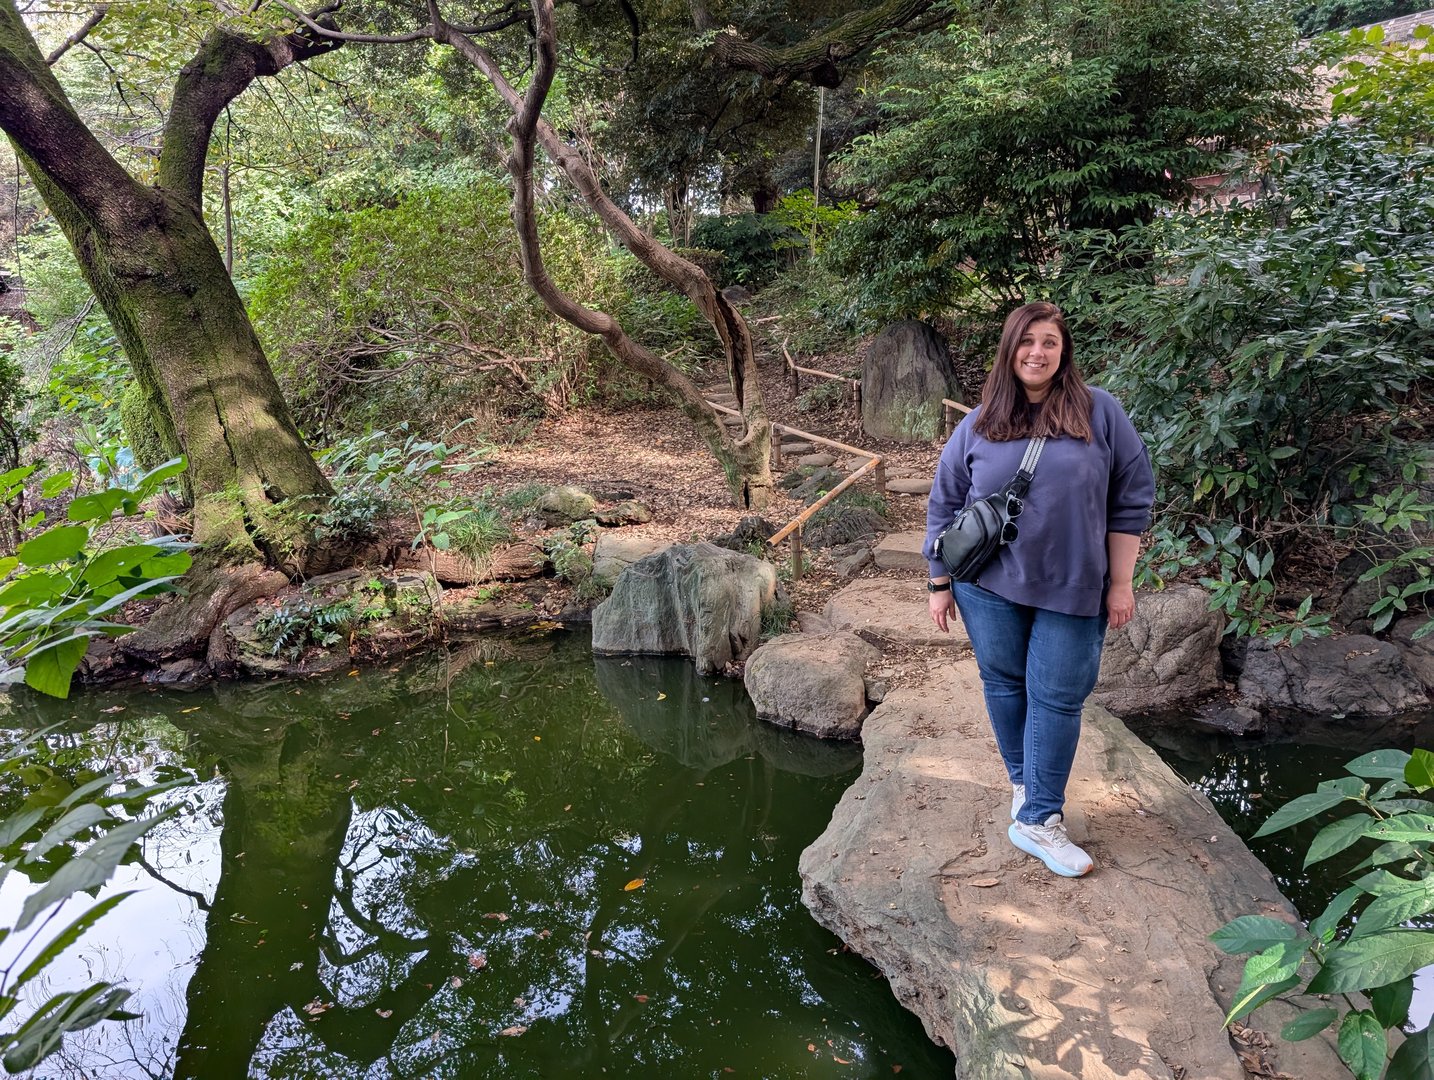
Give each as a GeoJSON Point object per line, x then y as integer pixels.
{"type": "Point", "coordinates": [893, 611]}
{"type": "Point", "coordinates": [1021, 973]}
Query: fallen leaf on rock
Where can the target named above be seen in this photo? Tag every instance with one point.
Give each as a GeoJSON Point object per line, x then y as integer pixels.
{"type": "Point", "coordinates": [635, 883]}
{"type": "Point", "coordinates": [985, 882]}
{"type": "Point", "coordinates": [516, 1029]}
{"type": "Point", "coordinates": [435, 1036]}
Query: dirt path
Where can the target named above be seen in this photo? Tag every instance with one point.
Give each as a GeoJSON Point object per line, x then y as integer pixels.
{"type": "Point", "coordinates": [651, 453]}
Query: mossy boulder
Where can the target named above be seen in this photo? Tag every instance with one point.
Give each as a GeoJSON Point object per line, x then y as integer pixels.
{"type": "Point", "coordinates": [906, 373]}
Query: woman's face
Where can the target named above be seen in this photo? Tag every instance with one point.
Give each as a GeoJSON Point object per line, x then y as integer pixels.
{"type": "Point", "coordinates": [1038, 358]}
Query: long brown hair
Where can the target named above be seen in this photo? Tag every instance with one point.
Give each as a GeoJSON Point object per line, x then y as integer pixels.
{"type": "Point", "coordinates": [1007, 414]}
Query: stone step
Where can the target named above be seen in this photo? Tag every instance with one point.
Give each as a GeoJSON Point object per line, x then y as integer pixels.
{"type": "Point", "coordinates": [816, 459]}
{"type": "Point", "coordinates": [903, 485]}
{"type": "Point", "coordinates": [901, 551]}
{"type": "Point", "coordinates": [790, 448]}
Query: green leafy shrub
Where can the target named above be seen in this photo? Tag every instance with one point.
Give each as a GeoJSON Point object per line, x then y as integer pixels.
{"type": "Point", "coordinates": [1266, 350]}
{"type": "Point", "coordinates": [751, 246]}
{"type": "Point", "coordinates": [1387, 85]}
{"type": "Point", "coordinates": [1002, 128]}
{"type": "Point", "coordinates": [415, 308]}
{"type": "Point", "coordinates": [57, 591]}
{"type": "Point", "coordinates": [1362, 942]}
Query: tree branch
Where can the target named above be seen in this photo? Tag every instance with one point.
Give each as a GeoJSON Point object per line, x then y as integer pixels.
{"type": "Point", "coordinates": [224, 66]}
{"type": "Point", "coordinates": [38, 116]}
{"type": "Point", "coordinates": [96, 17]}
{"type": "Point", "coordinates": [817, 58]}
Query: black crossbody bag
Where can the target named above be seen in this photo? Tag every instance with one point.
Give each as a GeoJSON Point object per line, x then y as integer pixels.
{"type": "Point", "coordinates": [988, 524]}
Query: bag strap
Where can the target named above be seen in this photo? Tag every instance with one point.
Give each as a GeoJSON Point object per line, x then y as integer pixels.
{"type": "Point", "coordinates": [1027, 471]}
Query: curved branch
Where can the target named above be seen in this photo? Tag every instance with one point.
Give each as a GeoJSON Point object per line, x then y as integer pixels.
{"type": "Point", "coordinates": [817, 58]}
{"type": "Point", "coordinates": [224, 66]}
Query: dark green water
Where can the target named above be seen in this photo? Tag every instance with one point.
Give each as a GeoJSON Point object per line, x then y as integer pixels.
{"type": "Point", "coordinates": [517, 862]}
{"type": "Point", "coordinates": [1249, 778]}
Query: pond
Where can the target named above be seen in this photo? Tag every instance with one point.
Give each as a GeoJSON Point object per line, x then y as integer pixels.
{"type": "Point", "coordinates": [517, 860]}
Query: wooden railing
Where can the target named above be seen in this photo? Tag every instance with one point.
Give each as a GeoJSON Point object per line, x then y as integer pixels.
{"type": "Point", "coordinates": [949, 419]}
{"type": "Point", "coordinates": [797, 371]}
{"type": "Point", "coordinates": [875, 465]}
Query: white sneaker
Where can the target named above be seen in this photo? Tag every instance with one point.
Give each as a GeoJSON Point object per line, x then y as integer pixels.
{"type": "Point", "coordinates": [1049, 843]}
{"type": "Point", "coordinates": [1018, 799]}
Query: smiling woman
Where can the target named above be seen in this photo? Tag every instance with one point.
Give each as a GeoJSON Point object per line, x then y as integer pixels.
{"type": "Point", "coordinates": [1038, 612]}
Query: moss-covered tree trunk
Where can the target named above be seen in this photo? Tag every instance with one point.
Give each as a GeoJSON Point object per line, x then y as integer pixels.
{"type": "Point", "coordinates": [158, 274]}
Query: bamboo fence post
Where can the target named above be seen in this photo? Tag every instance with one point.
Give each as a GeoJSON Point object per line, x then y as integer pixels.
{"type": "Point", "coordinates": [797, 553]}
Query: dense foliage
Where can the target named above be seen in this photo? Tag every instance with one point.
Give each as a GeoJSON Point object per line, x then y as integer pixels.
{"type": "Point", "coordinates": [419, 309]}
{"type": "Point", "coordinates": [998, 133]}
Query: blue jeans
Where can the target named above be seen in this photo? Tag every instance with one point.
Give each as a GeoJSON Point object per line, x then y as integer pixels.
{"type": "Point", "coordinates": [1037, 669]}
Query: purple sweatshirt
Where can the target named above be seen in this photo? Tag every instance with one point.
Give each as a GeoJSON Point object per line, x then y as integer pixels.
{"type": "Point", "coordinates": [1080, 492]}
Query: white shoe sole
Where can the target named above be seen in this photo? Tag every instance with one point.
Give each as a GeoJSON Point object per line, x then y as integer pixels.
{"type": "Point", "coordinates": [1030, 847]}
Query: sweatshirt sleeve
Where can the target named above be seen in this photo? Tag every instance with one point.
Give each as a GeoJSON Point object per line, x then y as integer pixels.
{"type": "Point", "coordinates": [1132, 482]}
{"type": "Point", "coordinates": [949, 489]}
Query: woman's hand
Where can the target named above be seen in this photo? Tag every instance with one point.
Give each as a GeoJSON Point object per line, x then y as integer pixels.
{"type": "Point", "coordinates": [1120, 604]}
{"type": "Point", "coordinates": [941, 605]}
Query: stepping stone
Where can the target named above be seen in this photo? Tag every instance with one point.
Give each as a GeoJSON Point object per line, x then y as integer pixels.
{"type": "Point", "coordinates": [789, 448]}
{"type": "Point", "coordinates": [901, 551]}
{"type": "Point", "coordinates": [891, 611]}
{"type": "Point", "coordinates": [816, 459]}
{"type": "Point", "coordinates": [902, 472]}
{"type": "Point", "coordinates": [909, 486]}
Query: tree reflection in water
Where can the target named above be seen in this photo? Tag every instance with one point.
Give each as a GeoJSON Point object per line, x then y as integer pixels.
{"type": "Point", "coordinates": [519, 862]}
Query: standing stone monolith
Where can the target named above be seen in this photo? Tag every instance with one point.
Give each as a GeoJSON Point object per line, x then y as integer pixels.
{"type": "Point", "coordinates": [906, 373]}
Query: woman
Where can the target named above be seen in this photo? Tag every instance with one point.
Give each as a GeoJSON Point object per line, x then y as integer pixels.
{"type": "Point", "coordinates": [1038, 613]}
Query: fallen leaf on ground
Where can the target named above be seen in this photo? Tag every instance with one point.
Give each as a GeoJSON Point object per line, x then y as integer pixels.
{"type": "Point", "coordinates": [635, 883]}
{"type": "Point", "coordinates": [455, 982]}
{"type": "Point", "coordinates": [516, 1029]}
{"type": "Point", "coordinates": [354, 671]}
{"type": "Point", "coordinates": [385, 1013]}
{"type": "Point", "coordinates": [641, 999]}
{"type": "Point", "coordinates": [984, 882]}
{"type": "Point", "coordinates": [812, 1047]}
{"type": "Point", "coordinates": [477, 961]}
{"type": "Point", "coordinates": [661, 696]}
{"type": "Point", "coordinates": [499, 915]}
{"type": "Point", "coordinates": [840, 1061]}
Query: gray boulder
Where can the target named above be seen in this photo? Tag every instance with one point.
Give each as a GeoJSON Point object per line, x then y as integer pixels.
{"type": "Point", "coordinates": [1169, 652]}
{"type": "Point", "coordinates": [696, 600]}
{"type": "Point", "coordinates": [906, 373]}
{"type": "Point", "coordinates": [627, 512]}
{"type": "Point", "coordinates": [1344, 676]}
{"type": "Point", "coordinates": [811, 682]}
{"type": "Point", "coordinates": [564, 505]}
{"type": "Point", "coordinates": [1419, 655]}
{"type": "Point", "coordinates": [613, 553]}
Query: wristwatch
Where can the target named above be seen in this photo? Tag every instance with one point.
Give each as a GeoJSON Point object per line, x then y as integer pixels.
{"type": "Point", "coordinates": [937, 586]}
